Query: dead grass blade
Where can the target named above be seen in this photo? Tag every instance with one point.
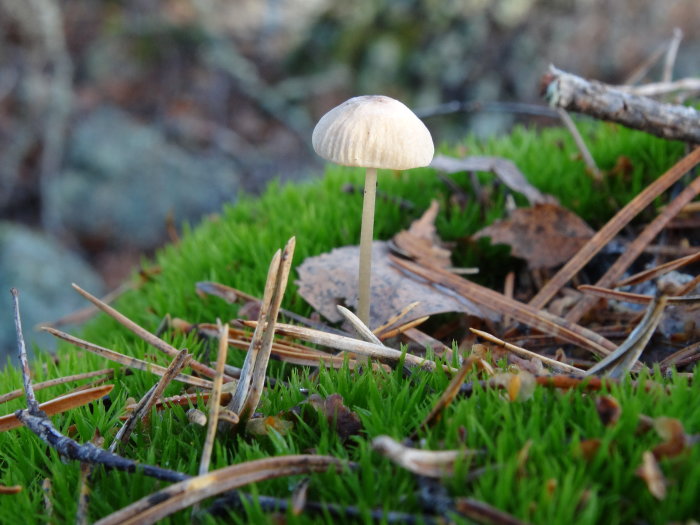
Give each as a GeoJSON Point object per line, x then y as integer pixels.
{"type": "Point", "coordinates": [445, 399]}
{"type": "Point", "coordinates": [144, 334]}
{"type": "Point", "coordinates": [10, 489]}
{"type": "Point", "coordinates": [683, 357]}
{"type": "Point", "coordinates": [144, 406]}
{"type": "Point", "coordinates": [630, 297]}
{"type": "Point", "coordinates": [613, 227]}
{"type": "Point", "coordinates": [660, 270]}
{"type": "Point", "coordinates": [214, 401]}
{"type": "Point", "coordinates": [538, 319]}
{"type": "Point", "coordinates": [186, 493]}
{"type": "Point", "coordinates": [347, 344]}
{"type": "Point", "coordinates": [252, 381]}
{"type": "Point", "coordinates": [361, 328]}
{"type": "Point", "coordinates": [528, 354]}
{"type": "Point", "coordinates": [395, 319]}
{"type": "Point", "coordinates": [59, 405]}
{"type": "Point", "coordinates": [107, 372]}
{"type": "Point", "coordinates": [424, 340]}
{"type": "Point", "coordinates": [429, 463]}
{"type": "Point", "coordinates": [621, 360]}
{"type": "Point", "coordinates": [635, 248]}
{"type": "Point", "coordinates": [131, 362]}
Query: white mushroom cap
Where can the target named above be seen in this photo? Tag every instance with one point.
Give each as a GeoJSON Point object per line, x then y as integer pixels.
{"type": "Point", "coordinates": [373, 131]}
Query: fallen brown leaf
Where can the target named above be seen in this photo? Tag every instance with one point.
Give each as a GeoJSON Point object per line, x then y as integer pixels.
{"type": "Point", "coordinates": [421, 243]}
{"type": "Point", "coordinates": [672, 432]}
{"type": "Point", "coordinates": [345, 422]}
{"type": "Point", "coordinates": [650, 472]}
{"type": "Point", "coordinates": [608, 410]}
{"type": "Point", "coordinates": [330, 279]}
{"type": "Point", "coordinates": [545, 235]}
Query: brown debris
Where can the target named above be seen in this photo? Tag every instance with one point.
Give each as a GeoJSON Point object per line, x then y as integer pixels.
{"type": "Point", "coordinates": [421, 243]}
{"type": "Point", "coordinates": [344, 421]}
{"type": "Point", "coordinates": [608, 409]}
{"type": "Point", "coordinates": [651, 473]}
{"type": "Point", "coordinates": [545, 235]}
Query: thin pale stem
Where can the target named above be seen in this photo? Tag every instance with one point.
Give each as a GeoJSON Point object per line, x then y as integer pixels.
{"type": "Point", "coordinates": [366, 236]}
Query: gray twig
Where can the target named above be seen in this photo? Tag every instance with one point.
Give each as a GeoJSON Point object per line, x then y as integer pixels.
{"type": "Point", "coordinates": [573, 93]}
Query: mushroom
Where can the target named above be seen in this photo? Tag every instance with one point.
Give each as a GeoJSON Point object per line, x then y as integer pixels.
{"type": "Point", "coordinates": [372, 132]}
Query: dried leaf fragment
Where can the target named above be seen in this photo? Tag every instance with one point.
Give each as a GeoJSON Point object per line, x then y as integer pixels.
{"type": "Point", "coordinates": [430, 463]}
{"type": "Point", "coordinates": [545, 235]}
{"type": "Point", "coordinates": [421, 242]}
{"type": "Point", "coordinates": [519, 387]}
{"type": "Point", "coordinates": [674, 436]}
{"type": "Point", "coordinates": [261, 426]}
{"type": "Point", "coordinates": [650, 472]}
{"type": "Point", "coordinates": [608, 410]}
{"type": "Point", "coordinates": [344, 421]}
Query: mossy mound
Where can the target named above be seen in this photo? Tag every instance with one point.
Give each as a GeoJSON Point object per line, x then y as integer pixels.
{"type": "Point", "coordinates": [554, 485]}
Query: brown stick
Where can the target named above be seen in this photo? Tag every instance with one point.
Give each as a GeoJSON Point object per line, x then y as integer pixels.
{"type": "Point", "coordinates": [613, 227]}
{"type": "Point", "coordinates": [572, 93]}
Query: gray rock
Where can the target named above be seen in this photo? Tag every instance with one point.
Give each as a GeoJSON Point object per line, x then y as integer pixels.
{"type": "Point", "coordinates": [42, 270]}
{"type": "Point", "coordinates": [123, 179]}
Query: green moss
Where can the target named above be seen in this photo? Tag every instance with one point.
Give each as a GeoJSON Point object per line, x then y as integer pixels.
{"type": "Point", "coordinates": [235, 248]}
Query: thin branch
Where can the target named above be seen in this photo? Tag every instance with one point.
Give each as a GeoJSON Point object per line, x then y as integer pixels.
{"type": "Point", "coordinates": [32, 403]}
{"type": "Point", "coordinates": [148, 400]}
{"type": "Point", "coordinates": [670, 58]}
{"type": "Point", "coordinates": [573, 93]}
{"type": "Point", "coordinates": [581, 145]}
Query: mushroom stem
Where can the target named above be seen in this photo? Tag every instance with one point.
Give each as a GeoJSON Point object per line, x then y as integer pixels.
{"type": "Point", "coordinates": [366, 236]}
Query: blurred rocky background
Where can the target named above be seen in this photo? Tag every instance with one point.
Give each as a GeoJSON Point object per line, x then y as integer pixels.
{"type": "Point", "coordinates": [119, 120]}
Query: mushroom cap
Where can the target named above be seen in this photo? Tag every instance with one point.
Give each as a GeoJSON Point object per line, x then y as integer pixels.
{"type": "Point", "coordinates": [373, 131]}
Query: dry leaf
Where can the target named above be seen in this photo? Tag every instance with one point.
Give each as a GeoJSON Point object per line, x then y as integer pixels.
{"type": "Point", "coordinates": [672, 432]}
{"type": "Point", "coordinates": [421, 243]}
{"type": "Point", "coordinates": [430, 463]}
{"type": "Point", "coordinates": [330, 279]}
{"type": "Point", "coordinates": [261, 426]}
{"type": "Point", "coordinates": [345, 422]}
{"type": "Point", "coordinates": [588, 448]}
{"type": "Point", "coordinates": [650, 472]}
{"type": "Point", "coordinates": [545, 235]}
{"type": "Point", "coordinates": [608, 410]}
{"type": "Point", "coordinates": [519, 387]}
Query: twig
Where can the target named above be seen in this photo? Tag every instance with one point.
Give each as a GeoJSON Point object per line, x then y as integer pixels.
{"type": "Point", "coordinates": [131, 362]}
{"type": "Point", "coordinates": [670, 58]}
{"type": "Point", "coordinates": [528, 354]}
{"type": "Point", "coordinates": [235, 500]}
{"type": "Point", "coordinates": [108, 372]}
{"type": "Point", "coordinates": [572, 93]}
{"type": "Point", "coordinates": [581, 145]}
{"type": "Point", "coordinates": [144, 334]}
{"type": "Point", "coordinates": [636, 298]}
{"type": "Point", "coordinates": [88, 452]}
{"type": "Point", "coordinates": [36, 421]}
{"type": "Point", "coordinates": [32, 403]}
{"type": "Point", "coordinates": [456, 106]}
{"type": "Point", "coordinates": [10, 489]}
{"type": "Point", "coordinates": [655, 89]}
{"type": "Point", "coordinates": [82, 315]}
{"type": "Point", "coordinates": [430, 463]}
{"type": "Point", "coordinates": [214, 401]}
{"type": "Point", "coordinates": [613, 227]}
{"type": "Point", "coordinates": [482, 512]}
{"type": "Point", "coordinates": [181, 495]}
{"type": "Point", "coordinates": [633, 250]}
{"type": "Point", "coordinates": [148, 400]}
